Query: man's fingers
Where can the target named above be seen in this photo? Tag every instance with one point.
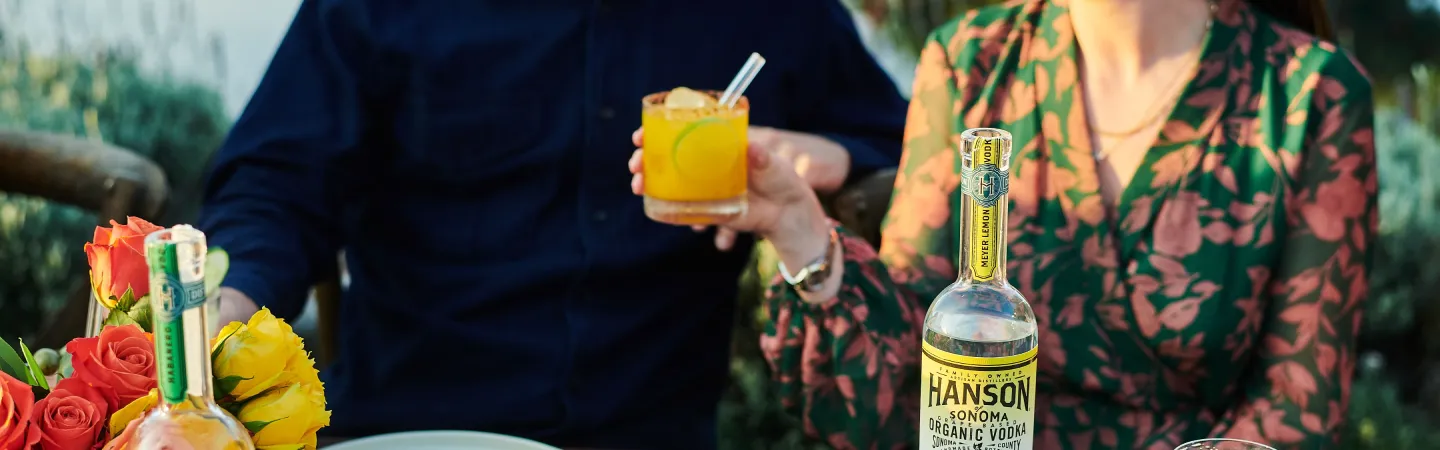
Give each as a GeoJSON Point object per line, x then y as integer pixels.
{"type": "Point", "coordinates": [636, 161]}
{"type": "Point", "coordinates": [724, 239]}
{"type": "Point", "coordinates": [638, 137]}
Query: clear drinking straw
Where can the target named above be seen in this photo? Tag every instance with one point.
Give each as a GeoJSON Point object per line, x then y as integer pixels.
{"type": "Point", "coordinates": [742, 80]}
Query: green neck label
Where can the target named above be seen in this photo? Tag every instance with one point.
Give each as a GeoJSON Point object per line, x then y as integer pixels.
{"type": "Point", "coordinates": [170, 298]}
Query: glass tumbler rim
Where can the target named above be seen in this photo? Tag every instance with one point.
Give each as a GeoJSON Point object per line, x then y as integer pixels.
{"type": "Point", "coordinates": [1195, 444]}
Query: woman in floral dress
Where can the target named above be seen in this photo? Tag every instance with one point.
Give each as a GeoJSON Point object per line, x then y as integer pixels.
{"type": "Point", "coordinates": [1197, 268]}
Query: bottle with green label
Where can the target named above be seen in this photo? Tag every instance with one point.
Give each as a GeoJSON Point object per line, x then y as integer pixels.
{"type": "Point", "coordinates": [186, 415]}
{"type": "Point", "coordinates": [977, 368]}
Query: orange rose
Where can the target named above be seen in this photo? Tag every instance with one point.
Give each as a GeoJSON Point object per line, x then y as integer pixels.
{"type": "Point", "coordinates": [120, 362]}
{"type": "Point", "coordinates": [117, 260]}
{"type": "Point", "coordinates": [16, 402]}
{"type": "Point", "coordinates": [72, 417]}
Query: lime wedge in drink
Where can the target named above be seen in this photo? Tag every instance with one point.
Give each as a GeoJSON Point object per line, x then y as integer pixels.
{"type": "Point", "coordinates": [217, 262]}
{"type": "Point", "coordinates": [707, 150]}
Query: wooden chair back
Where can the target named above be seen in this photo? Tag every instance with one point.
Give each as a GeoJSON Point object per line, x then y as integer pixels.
{"type": "Point", "coordinates": [111, 181]}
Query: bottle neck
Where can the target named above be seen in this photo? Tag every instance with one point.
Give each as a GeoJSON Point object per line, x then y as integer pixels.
{"type": "Point", "coordinates": [179, 307]}
{"type": "Point", "coordinates": [985, 206]}
{"type": "Point", "coordinates": [183, 351]}
{"type": "Point", "coordinates": [982, 243]}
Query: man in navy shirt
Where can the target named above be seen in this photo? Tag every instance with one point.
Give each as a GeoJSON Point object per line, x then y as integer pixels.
{"type": "Point", "coordinates": [469, 158]}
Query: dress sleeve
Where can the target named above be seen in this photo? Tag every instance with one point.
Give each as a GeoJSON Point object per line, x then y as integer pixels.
{"type": "Point", "coordinates": [1300, 388]}
{"type": "Point", "coordinates": [847, 366]}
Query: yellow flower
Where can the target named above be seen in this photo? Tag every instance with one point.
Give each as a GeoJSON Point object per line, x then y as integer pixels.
{"type": "Point", "coordinates": [286, 415]}
{"type": "Point", "coordinates": [132, 411]}
{"type": "Point", "coordinates": [253, 357]}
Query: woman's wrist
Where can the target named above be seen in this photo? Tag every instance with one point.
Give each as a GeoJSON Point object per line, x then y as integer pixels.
{"type": "Point", "coordinates": [802, 234]}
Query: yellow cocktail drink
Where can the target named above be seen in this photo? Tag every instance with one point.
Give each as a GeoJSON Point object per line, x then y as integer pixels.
{"type": "Point", "coordinates": [694, 158]}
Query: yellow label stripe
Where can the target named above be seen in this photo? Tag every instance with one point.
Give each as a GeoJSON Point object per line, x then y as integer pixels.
{"type": "Point", "coordinates": [976, 362]}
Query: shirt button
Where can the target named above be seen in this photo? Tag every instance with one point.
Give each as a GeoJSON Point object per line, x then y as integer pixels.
{"type": "Point", "coordinates": [607, 113]}
{"type": "Point", "coordinates": [599, 216]}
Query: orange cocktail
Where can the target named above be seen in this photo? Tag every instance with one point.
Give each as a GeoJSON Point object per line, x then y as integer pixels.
{"type": "Point", "coordinates": [694, 158]}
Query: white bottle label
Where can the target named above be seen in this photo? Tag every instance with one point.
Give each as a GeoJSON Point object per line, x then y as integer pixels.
{"type": "Point", "coordinates": [972, 403]}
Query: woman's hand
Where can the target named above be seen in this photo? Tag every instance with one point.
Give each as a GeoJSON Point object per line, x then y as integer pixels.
{"type": "Point", "coordinates": [781, 208]}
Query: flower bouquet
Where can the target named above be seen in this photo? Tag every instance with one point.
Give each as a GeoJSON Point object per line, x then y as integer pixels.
{"type": "Point", "coordinates": [88, 395]}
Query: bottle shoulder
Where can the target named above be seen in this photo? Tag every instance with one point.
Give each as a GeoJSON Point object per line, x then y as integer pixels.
{"type": "Point", "coordinates": [194, 423]}
{"type": "Point", "coordinates": [996, 299]}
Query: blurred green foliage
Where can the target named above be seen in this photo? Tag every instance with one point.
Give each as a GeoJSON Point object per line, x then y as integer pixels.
{"type": "Point", "coordinates": [108, 97]}
{"type": "Point", "coordinates": [1391, 406]}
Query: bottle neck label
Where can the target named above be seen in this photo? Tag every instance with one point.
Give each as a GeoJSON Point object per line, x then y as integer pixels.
{"type": "Point", "coordinates": [985, 186]}
{"type": "Point", "coordinates": [969, 402]}
{"type": "Point", "coordinates": [177, 291]}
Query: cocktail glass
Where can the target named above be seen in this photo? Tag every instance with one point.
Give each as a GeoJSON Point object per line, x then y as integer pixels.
{"type": "Point", "coordinates": [695, 157]}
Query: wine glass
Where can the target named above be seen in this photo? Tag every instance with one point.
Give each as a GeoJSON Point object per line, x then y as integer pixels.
{"type": "Point", "coordinates": [1223, 444]}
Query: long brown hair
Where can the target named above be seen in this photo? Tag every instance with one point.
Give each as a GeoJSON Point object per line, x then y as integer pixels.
{"type": "Point", "coordinates": [1308, 15]}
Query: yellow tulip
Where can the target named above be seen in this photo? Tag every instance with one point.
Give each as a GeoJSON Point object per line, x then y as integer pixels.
{"type": "Point", "coordinates": [132, 411]}
{"type": "Point", "coordinates": [253, 357]}
{"type": "Point", "coordinates": [291, 414]}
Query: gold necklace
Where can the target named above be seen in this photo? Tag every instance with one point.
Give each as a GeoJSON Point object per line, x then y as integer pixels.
{"type": "Point", "coordinates": [1158, 107]}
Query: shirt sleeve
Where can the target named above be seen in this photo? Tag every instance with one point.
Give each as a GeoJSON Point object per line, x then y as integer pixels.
{"type": "Point", "coordinates": [847, 366]}
{"type": "Point", "coordinates": [853, 101]}
{"type": "Point", "coordinates": [1300, 387]}
{"type": "Point", "coordinates": [271, 199]}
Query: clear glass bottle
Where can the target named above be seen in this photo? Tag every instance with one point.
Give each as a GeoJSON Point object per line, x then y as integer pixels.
{"type": "Point", "coordinates": [186, 416]}
{"type": "Point", "coordinates": [977, 370]}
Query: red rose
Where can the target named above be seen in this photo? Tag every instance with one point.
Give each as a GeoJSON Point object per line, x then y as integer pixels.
{"type": "Point", "coordinates": [16, 403]}
{"type": "Point", "coordinates": [71, 417]}
{"type": "Point", "coordinates": [117, 260]}
{"type": "Point", "coordinates": [120, 362]}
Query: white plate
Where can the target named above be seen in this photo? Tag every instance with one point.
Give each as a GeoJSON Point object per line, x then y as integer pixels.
{"type": "Point", "coordinates": [440, 440]}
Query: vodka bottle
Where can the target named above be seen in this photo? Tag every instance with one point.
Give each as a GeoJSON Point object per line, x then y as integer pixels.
{"type": "Point", "coordinates": [977, 371]}
{"type": "Point", "coordinates": [186, 416]}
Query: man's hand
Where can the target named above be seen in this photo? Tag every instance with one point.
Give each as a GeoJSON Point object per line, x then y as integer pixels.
{"type": "Point", "coordinates": [823, 163]}
{"type": "Point", "coordinates": [235, 306]}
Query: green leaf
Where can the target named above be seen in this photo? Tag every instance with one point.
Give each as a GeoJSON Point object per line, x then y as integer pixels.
{"type": "Point", "coordinates": [126, 300]}
{"type": "Point", "coordinates": [142, 315]}
{"type": "Point", "coordinates": [256, 426]}
{"type": "Point", "coordinates": [36, 378]}
{"type": "Point", "coordinates": [10, 361]}
{"type": "Point", "coordinates": [226, 386]}
{"type": "Point", "coordinates": [217, 263]}
{"type": "Point", "coordinates": [119, 318]}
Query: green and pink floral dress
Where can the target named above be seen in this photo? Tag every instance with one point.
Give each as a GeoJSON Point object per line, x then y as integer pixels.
{"type": "Point", "coordinates": [1223, 297]}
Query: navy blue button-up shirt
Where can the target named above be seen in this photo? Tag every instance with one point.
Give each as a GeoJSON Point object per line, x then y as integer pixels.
{"type": "Point", "coordinates": [469, 158]}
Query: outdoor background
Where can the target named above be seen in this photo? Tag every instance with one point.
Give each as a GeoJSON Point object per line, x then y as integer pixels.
{"type": "Point", "coordinates": [164, 78]}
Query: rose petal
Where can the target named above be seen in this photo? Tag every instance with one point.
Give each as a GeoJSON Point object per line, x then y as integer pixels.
{"type": "Point", "coordinates": [102, 236]}
{"type": "Point", "coordinates": [17, 402]}
{"type": "Point", "coordinates": [100, 275]}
